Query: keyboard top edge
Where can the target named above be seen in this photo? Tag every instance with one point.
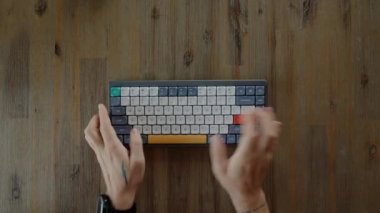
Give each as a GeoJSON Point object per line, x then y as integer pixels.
{"type": "Point", "coordinates": [139, 83]}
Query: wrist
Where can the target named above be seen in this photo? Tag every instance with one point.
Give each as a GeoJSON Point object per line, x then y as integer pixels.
{"type": "Point", "coordinates": [122, 202]}
{"type": "Point", "coordinates": [249, 202]}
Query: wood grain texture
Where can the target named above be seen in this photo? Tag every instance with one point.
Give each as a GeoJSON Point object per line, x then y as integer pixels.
{"type": "Point", "coordinates": [321, 59]}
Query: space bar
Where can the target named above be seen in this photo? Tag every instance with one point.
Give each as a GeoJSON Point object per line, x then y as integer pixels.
{"type": "Point", "coordinates": [177, 139]}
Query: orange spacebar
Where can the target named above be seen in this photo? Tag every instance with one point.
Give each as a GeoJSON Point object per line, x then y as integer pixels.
{"type": "Point", "coordinates": [177, 139]}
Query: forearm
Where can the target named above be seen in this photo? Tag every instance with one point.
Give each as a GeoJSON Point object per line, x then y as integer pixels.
{"type": "Point", "coordinates": [251, 204]}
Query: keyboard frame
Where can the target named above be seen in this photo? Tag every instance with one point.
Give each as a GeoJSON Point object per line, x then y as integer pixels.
{"type": "Point", "coordinates": [179, 83]}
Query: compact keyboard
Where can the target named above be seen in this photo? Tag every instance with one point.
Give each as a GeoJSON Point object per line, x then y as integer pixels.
{"type": "Point", "coordinates": [183, 111]}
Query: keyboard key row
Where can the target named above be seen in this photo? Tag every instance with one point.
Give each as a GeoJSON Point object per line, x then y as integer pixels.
{"type": "Point", "coordinates": [192, 100]}
{"type": "Point", "coordinates": [188, 91]}
{"type": "Point", "coordinates": [180, 139]}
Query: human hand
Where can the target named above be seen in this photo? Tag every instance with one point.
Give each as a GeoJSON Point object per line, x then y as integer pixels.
{"type": "Point", "coordinates": [243, 173]}
{"type": "Point", "coordinates": [122, 171]}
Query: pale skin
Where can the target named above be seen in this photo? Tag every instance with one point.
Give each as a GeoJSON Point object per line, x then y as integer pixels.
{"type": "Point", "coordinates": [241, 175]}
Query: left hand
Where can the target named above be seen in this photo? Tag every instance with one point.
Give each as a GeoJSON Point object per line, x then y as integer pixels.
{"type": "Point", "coordinates": [122, 171]}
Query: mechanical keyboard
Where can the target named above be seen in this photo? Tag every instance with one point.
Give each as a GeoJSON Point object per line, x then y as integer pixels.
{"type": "Point", "coordinates": [183, 111]}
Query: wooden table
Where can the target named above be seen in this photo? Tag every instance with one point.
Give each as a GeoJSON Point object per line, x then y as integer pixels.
{"type": "Point", "coordinates": [321, 59]}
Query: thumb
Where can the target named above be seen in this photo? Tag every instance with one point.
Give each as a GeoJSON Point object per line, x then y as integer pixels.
{"type": "Point", "coordinates": [137, 159]}
{"type": "Point", "coordinates": [218, 155]}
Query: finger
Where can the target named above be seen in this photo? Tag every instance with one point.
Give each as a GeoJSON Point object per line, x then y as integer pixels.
{"type": "Point", "coordinates": [106, 129]}
{"type": "Point", "coordinates": [137, 158]}
{"type": "Point", "coordinates": [92, 133]}
{"type": "Point", "coordinates": [218, 156]}
{"type": "Point", "coordinates": [250, 135]}
{"type": "Point", "coordinates": [269, 129]}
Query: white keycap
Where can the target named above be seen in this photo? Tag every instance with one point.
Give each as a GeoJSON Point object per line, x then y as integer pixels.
{"type": "Point", "coordinates": [156, 129]}
{"type": "Point", "coordinates": [173, 101]}
{"type": "Point", "coordinates": [144, 91]}
{"type": "Point", "coordinates": [245, 109]}
{"type": "Point", "coordinates": [139, 110]}
{"type": "Point", "coordinates": [187, 110]}
{"type": "Point", "coordinates": [147, 129]}
{"type": "Point", "coordinates": [235, 110]}
{"type": "Point", "coordinates": [185, 129]}
{"type": "Point", "coordinates": [214, 129]}
{"type": "Point", "coordinates": [158, 110]}
{"type": "Point", "coordinates": [202, 91]}
{"type": "Point", "coordinates": [182, 101]}
{"type": "Point", "coordinates": [149, 110]}
{"type": "Point", "coordinates": [135, 101]}
{"type": "Point", "coordinates": [226, 110]}
{"type": "Point", "coordinates": [204, 129]}
{"type": "Point", "coordinates": [230, 90]}
{"type": "Point", "coordinates": [189, 119]}
{"type": "Point", "coordinates": [165, 129]}
{"type": "Point", "coordinates": [130, 110]}
{"type": "Point", "coordinates": [194, 129]}
{"type": "Point", "coordinates": [199, 119]}
{"type": "Point", "coordinates": [153, 101]}
{"type": "Point", "coordinates": [124, 91]}
{"type": "Point", "coordinates": [231, 100]}
{"type": "Point", "coordinates": [211, 90]}
{"type": "Point", "coordinates": [152, 119]}
{"type": "Point", "coordinates": [144, 101]}
{"type": "Point", "coordinates": [228, 119]}
{"type": "Point", "coordinates": [209, 119]}
{"type": "Point", "coordinates": [139, 128]}
{"type": "Point", "coordinates": [180, 119]}
{"type": "Point", "coordinates": [163, 101]}
{"type": "Point", "coordinates": [223, 129]}
{"type": "Point", "coordinates": [221, 90]}
{"type": "Point", "coordinates": [192, 100]}
{"type": "Point", "coordinates": [170, 119]}
{"type": "Point", "coordinates": [141, 120]}
{"type": "Point", "coordinates": [216, 110]}
{"type": "Point", "coordinates": [221, 100]}
{"type": "Point", "coordinates": [161, 120]}
{"type": "Point", "coordinates": [153, 91]}
{"type": "Point", "coordinates": [134, 91]}
{"type": "Point", "coordinates": [219, 119]}
{"type": "Point", "coordinates": [125, 101]}
{"type": "Point", "coordinates": [211, 100]}
{"type": "Point", "coordinates": [177, 110]}
{"type": "Point", "coordinates": [176, 129]}
{"type": "Point", "coordinates": [197, 110]}
{"type": "Point", "coordinates": [206, 110]}
{"type": "Point", "coordinates": [132, 120]}
{"type": "Point", "coordinates": [202, 100]}
{"type": "Point", "coordinates": [168, 110]}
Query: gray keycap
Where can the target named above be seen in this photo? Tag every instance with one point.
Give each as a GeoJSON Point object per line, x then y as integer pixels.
{"type": "Point", "coordinates": [115, 101]}
{"type": "Point", "coordinates": [119, 120]}
{"type": "Point", "coordinates": [250, 90]}
{"type": "Point", "coordinates": [260, 100]}
{"type": "Point", "coordinates": [245, 100]}
{"type": "Point", "coordinates": [172, 91]}
{"type": "Point", "coordinates": [237, 138]}
{"type": "Point", "coordinates": [240, 90]}
{"type": "Point", "coordinates": [127, 139]}
{"type": "Point", "coordinates": [117, 110]}
{"type": "Point", "coordinates": [122, 130]}
{"type": "Point", "coordinates": [121, 138]}
{"type": "Point", "coordinates": [182, 91]}
{"type": "Point", "coordinates": [162, 91]}
{"type": "Point", "coordinates": [234, 129]}
{"type": "Point", "coordinates": [260, 90]}
{"type": "Point", "coordinates": [192, 91]}
{"type": "Point", "coordinates": [231, 139]}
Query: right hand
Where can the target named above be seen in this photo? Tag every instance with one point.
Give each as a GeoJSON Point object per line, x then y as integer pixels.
{"type": "Point", "coordinates": [243, 173]}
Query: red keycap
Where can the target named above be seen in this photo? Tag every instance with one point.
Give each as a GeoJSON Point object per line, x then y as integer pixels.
{"type": "Point", "coordinates": [237, 119]}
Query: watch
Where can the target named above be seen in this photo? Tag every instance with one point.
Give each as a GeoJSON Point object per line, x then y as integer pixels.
{"type": "Point", "coordinates": [105, 206]}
